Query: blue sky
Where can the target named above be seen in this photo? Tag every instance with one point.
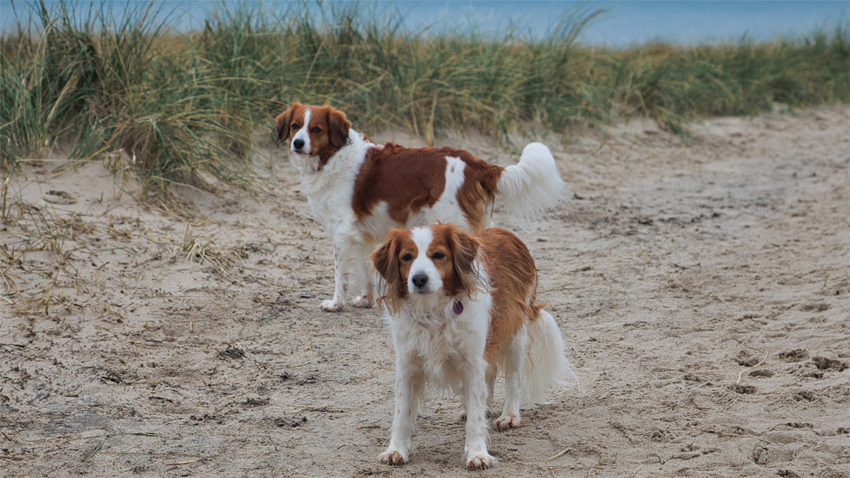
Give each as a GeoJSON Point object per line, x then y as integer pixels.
{"type": "Point", "coordinates": [624, 23]}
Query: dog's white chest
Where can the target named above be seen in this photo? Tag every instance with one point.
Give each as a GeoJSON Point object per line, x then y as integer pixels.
{"type": "Point", "coordinates": [444, 343]}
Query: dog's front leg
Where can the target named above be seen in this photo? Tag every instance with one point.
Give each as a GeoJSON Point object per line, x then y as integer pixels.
{"type": "Point", "coordinates": [514, 368]}
{"type": "Point", "coordinates": [336, 304]}
{"type": "Point", "coordinates": [364, 274]}
{"type": "Point", "coordinates": [409, 385]}
{"type": "Point", "coordinates": [475, 394]}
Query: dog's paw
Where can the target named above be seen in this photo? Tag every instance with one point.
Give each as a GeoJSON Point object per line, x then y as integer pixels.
{"type": "Point", "coordinates": [393, 457]}
{"type": "Point", "coordinates": [480, 461]}
{"type": "Point", "coordinates": [361, 302]}
{"type": "Point", "coordinates": [331, 306]}
{"type": "Point", "coordinates": [505, 422]}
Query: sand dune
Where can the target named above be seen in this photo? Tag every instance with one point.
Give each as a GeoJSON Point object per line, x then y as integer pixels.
{"type": "Point", "coordinates": [702, 291]}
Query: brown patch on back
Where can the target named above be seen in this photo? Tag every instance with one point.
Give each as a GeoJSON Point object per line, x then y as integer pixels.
{"type": "Point", "coordinates": [409, 180]}
{"type": "Point", "coordinates": [513, 279]}
{"type": "Point", "coordinates": [405, 179]}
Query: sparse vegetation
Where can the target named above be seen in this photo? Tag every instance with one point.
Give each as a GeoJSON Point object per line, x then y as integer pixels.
{"type": "Point", "coordinates": [183, 107]}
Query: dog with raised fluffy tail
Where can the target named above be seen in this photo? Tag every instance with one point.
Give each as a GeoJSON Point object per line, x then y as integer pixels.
{"type": "Point", "coordinates": [359, 190]}
{"type": "Point", "coordinates": [463, 311]}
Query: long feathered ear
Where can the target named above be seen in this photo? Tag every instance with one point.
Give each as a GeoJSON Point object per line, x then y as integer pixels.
{"type": "Point", "coordinates": [464, 251]}
{"type": "Point", "coordinates": [282, 122]}
{"type": "Point", "coordinates": [338, 128]}
{"type": "Point", "coordinates": [385, 260]}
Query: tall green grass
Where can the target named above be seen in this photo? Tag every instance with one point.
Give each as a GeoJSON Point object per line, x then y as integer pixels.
{"type": "Point", "coordinates": [184, 106]}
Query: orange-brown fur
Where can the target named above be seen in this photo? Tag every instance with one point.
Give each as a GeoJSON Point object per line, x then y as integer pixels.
{"type": "Point", "coordinates": [513, 279]}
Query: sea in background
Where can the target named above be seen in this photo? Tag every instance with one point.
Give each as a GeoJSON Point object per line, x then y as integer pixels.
{"type": "Point", "coordinates": [622, 23]}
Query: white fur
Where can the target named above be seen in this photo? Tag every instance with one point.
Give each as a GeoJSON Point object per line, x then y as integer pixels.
{"type": "Point", "coordinates": [303, 133]}
{"type": "Point", "coordinates": [548, 362]}
{"type": "Point", "coordinates": [423, 265]}
{"type": "Point", "coordinates": [331, 188]}
{"type": "Point", "coordinates": [447, 209]}
{"type": "Point", "coordinates": [436, 346]}
{"type": "Point", "coordinates": [532, 186]}
{"type": "Point", "coordinates": [378, 223]}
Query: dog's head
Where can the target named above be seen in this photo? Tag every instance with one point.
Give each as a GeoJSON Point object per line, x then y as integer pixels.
{"type": "Point", "coordinates": [437, 260]}
{"type": "Point", "coordinates": [316, 132]}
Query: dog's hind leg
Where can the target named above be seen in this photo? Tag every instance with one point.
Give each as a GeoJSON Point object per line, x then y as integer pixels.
{"type": "Point", "coordinates": [492, 375]}
{"type": "Point", "coordinates": [475, 395]}
{"type": "Point", "coordinates": [514, 369]}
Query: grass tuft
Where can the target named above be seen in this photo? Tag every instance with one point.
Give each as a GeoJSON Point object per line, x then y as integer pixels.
{"type": "Point", "coordinates": [120, 82]}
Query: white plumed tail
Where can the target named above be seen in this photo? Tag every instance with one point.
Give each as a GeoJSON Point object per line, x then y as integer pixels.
{"type": "Point", "coordinates": [533, 186]}
{"type": "Point", "coordinates": [546, 364]}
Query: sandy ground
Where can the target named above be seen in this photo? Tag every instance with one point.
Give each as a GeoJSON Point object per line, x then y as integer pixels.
{"type": "Point", "coordinates": [702, 292]}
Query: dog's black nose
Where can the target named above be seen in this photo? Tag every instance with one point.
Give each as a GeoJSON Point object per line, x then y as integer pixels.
{"type": "Point", "coordinates": [419, 280]}
{"type": "Point", "coordinates": [298, 143]}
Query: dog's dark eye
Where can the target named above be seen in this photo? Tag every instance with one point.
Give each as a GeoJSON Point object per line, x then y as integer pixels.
{"type": "Point", "coordinates": [407, 257]}
{"type": "Point", "coordinates": [316, 130]}
{"type": "Point", "coordinates": [295, 125]}
{"type": "Point", "coordinates": [438, 255]}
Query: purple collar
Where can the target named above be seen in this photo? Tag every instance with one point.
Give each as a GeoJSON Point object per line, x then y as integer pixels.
{"type": "Point", "coordinates": [457, 308]}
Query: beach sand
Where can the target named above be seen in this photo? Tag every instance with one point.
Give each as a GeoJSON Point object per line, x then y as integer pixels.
{"type": "Point", "coordinates": [703, 292]}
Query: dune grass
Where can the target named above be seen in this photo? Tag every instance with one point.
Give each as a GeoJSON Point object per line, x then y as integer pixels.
{"type": "Point", "coordinates": [184, 107]}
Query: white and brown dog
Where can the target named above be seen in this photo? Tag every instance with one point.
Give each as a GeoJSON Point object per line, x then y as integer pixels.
{"type": "Point", "coordinates": [463, 311]}
{"type": "Point", "coordinates": [360, 190]}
